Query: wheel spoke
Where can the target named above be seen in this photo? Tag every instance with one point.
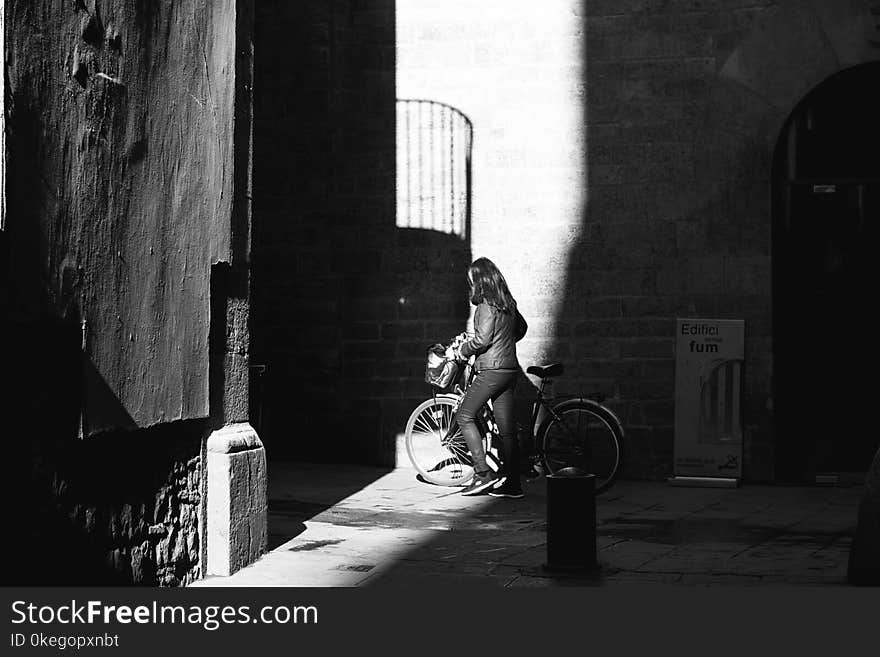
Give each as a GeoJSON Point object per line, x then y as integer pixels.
{"type": "Point", "coordinates": [587, 440]}
{"type": "Point", "coordinates": [421, 424]}
{"type": "Point", "coordinates": [456, 449]}
{"type": "Point", "coordinates": [435, 445]}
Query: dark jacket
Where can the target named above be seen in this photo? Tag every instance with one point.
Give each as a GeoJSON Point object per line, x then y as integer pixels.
{"type": "Point", "coordinates": [495, 338]}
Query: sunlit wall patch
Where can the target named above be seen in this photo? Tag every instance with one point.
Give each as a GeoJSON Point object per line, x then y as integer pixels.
{"type": "Point", "coordinates": [516, 70]}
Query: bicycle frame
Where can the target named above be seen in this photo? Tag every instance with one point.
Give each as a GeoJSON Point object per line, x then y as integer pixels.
{"type": "Point", "coordinates": [468, 376]}
{"type": "Point", "coordinates": [542, 452]}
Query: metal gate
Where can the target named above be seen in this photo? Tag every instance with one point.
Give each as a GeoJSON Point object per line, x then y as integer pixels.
{"type": "Point", "coordinates": [434, 143]}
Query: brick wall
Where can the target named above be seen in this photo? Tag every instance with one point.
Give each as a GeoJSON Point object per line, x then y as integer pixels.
{"type": "Point", "coordinates": [621, 178]}
{"type": "Point", "coordinates": [345, 303]}
{"type": "Point", "coordinates": [622, 175]}
{"type": "Point", "coordinates": [665, 235]}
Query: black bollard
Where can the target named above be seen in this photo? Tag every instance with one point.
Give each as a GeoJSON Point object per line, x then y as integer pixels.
{"type": "Point", "coordinates": [571, 520]}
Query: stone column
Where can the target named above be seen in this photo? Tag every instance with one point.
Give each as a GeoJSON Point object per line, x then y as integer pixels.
{"type": "Point", "coordinates": [235, 509]}
{"type": "Point", "coordinates": [236, 523]}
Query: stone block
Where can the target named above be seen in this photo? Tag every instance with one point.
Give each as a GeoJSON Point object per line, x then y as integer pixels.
{"type": "Point", "coordinates": [747, 275]}
{"type": "Point", "coordinates": [699, 275]}
{"type": "Point", "coordinates": [236, 532]}
{"type": "Point", "coordinates": [361, 331]}
{"type": "Point", "coordinates": [796, 42]}
{"type": "Point", "coordinates": [647, 348]}
{"type": "Point", "coordinates": [406, 330]}
{"type": "Point", "coordinates": [598, 347]}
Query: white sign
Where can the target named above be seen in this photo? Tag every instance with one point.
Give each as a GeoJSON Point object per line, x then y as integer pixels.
{"type": "Point", "coordinates": [708, 384]}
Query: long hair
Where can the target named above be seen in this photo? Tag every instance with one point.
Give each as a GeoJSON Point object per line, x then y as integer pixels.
{"type": "Point", "coordinates": [488, 284]}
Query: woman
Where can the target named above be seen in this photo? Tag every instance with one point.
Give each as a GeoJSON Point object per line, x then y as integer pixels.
{"type": "Point", "coordinates": [498, 326]}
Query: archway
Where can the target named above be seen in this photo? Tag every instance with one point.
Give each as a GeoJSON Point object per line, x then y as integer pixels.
{"type": "Point", "coordinates": [826, 203]}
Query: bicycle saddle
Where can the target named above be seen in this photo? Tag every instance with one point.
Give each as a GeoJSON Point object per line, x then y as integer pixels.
{"type": "Point", "coordinates": [546, 371]}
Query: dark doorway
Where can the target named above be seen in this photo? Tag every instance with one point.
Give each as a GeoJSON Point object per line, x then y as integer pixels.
{"type": "Point", "coordinates": [826, 207]}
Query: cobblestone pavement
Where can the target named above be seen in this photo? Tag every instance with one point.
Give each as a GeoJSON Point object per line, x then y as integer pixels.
{"type": "Point", "coordinates": [350, 526]}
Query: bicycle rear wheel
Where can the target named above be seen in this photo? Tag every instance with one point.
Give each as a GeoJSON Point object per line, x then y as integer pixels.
{"type": "Point", "coordinates": [581, 433]}
{"type": "Point", "coordinates": [436, 446]}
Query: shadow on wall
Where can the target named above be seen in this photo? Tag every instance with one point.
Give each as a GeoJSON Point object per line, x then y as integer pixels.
{"type": "Point", "coordinates": [350, 283]}
{"type": "Point", "coordinates": [675, 225]}
{"type": "Point", "coordinates": [107, 509]}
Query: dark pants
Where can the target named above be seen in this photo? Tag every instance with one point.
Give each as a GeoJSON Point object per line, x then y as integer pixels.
{"type": "Point", "coordinates": [497, 385]}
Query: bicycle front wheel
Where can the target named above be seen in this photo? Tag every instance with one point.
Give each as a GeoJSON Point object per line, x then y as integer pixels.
{"type": "Point", "coordinates": [435, 444]}
{"type": "Point", "coordinates": [581, 433]}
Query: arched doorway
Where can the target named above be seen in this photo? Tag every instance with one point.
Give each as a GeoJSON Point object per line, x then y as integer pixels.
{"type": "Point", "coordinates": [826, 205]}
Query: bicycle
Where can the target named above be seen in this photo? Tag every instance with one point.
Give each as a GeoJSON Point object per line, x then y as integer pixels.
{"type": "Point", "coordinates": [577, 432]}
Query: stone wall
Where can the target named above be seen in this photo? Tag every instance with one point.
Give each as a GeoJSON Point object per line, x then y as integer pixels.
{"type": "Point", "coordinates": [341, 297]}
{"type": "Point", "coordinates": [622, 175]}
{"type": "Point", "coordinates": [110, 226]}
{"type": "Point", "coordinates": [516, 70]}
{"type": "Point", "coordinates": [128, 161]}
{"type": "Point", "coordinates": [677, 226]}
{"type": "Point", "coordinates": [144, 533]}
{"type": "Point", "coordinates": [123, 507]}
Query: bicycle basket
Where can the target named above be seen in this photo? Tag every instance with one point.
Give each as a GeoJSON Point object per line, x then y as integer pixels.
{"type": "Point", "coordinates": [440, 372]}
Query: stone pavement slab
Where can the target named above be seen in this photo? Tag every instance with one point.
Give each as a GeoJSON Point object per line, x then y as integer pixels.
{"type": "Point", "coordinates": [348, 526]}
